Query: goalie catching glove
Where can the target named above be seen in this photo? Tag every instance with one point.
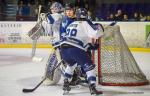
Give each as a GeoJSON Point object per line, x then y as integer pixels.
{"type": "Point", "coordinates": [43, 16]}
{"type": "Point", "coordinates": [100, 28]}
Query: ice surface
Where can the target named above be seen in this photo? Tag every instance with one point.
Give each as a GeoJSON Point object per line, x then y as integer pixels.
{"type": "Point", "coordinates": [18, 71]}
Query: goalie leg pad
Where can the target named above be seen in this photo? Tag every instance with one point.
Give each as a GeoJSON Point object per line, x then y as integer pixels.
{"type": "Point", "coordinates": [53, 79]}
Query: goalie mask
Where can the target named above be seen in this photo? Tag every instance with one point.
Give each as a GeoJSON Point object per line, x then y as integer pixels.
{"type": "Point", "coordinates": [81, 13]}
{"type": "Point", "coordinates": [57, 7]}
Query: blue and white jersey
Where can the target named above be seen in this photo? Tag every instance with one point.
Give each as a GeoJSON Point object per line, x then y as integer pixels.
{"type": "Point", "coordinates": [80, 34]}
{"type": "Point", "coordinates": [65, 23]}
{"type": "Point", "coordinates": [52, 25]}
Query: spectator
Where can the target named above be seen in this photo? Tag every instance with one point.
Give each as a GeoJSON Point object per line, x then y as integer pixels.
{"type": "Point", "coordinates": [2, 5]}
{"type": "Point", "coordinates": [20, 8]}
{"type": "Point", "coordinates": [48, 3]}
{"type": "Point", "coordinates": [111, 17]}
{"type": "Point", "coordinates": [26, 10]}
{"type": "Point", "coordinates": [125, 17]}
{"type": "Point", "coordinates": [86, 6]}
{"type": "Point", "coordinates": [148, 18]}
{"type": "Point", "coordinates": [135, 17]}
{"type": "Point", "coordinates": [91, 16]}
{"type": "Point", "coordinates": [119, 15]}
{"type": "Point", "coordinates": [68, 1]}
{"type": "Point", "coordinates": [90, 5]}
{"type": "Point", "coordinates": [1, 12]}
{"type": "Point", "coordinates": [142, 17]}
{"type": "Point", "coordinates": [80, 3]}
{"type": "Point", "coordinates": [32, 9]}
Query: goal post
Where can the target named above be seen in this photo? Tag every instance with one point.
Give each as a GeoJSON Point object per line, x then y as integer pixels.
{"type": "Point", "coordinates": [148, 41]}
{"type": "Point", "coordinates": [116, 65]}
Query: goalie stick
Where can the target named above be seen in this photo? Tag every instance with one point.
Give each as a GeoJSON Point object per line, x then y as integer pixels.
{"type": "Point", "coordinates": [34, 34]}
{"type": "Point", "coordinates": [36, 28]}
{"type": "Point", "coordinates": [32, 89]}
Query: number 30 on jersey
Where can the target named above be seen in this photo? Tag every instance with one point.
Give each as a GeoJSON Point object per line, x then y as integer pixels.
{"type": "Point", "coordinates": [71, 32]}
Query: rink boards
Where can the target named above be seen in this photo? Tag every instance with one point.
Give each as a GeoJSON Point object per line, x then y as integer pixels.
{"type": "Point", "coordinates": [14, 34]}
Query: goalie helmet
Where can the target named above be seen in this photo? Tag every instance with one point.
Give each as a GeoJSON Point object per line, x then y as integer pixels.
{"type": "Point", "coordinates": [81, 13]}
{"type": "Point", "coordinates": [57, 7]}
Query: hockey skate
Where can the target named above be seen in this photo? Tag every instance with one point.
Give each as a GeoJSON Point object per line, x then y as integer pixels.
{"type": "Point", "coordinates": [79, 77]}
{"type": "Point", "coordinates": [74, 80]}
{"type": "Point", "coordinates": [93, 90]}
{"type": "Point", "coordinates": [66, 87]}
{"type": "Point", "coordinates": [79, 81]}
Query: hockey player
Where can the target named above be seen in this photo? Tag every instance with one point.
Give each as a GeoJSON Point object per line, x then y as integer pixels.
{"type": "Point", "coordinates": [51, 21]}
{"type": "Point", "coordinates": [68, 18]}
{"type": "Point", "coordinates": [55, 26]}
{"type": "Point", "coordinates": [74, 49]}
{"type": "Point", "coordinates": [51, 24]}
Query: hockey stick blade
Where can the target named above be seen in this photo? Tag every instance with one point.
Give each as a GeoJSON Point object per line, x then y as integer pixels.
{"type": "Point", "coordinates": [31, 90]}
{"type": "Point", "coordinates": [27, 90]}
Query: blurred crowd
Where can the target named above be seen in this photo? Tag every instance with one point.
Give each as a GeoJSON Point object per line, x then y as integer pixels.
{"type": "Point", "coordinates": [121, 16]}
{"type": "Point", "coordinates": [27, 10]}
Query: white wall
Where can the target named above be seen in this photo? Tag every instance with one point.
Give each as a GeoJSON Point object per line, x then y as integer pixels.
{"type": "Point", "coordinates": [134, 33]}
{"type": "Point", "coordinates": [16, 33]}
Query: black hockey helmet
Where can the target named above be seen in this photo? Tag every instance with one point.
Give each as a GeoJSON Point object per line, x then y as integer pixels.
{"type": "Point", "coordinates": [81, 13]}
{"type": "Point", "coordinates": [69, 6]}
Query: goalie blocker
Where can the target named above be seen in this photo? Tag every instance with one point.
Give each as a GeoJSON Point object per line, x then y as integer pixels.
{"type": "Point", "coordinates": [36, 31]}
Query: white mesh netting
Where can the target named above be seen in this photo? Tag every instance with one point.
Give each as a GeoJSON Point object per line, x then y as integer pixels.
{"type": "Point", "coordinates": [115, 63]}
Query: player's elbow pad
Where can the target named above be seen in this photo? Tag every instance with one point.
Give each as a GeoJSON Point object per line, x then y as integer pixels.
{"type": "Point", "coordinates": [101, 33]}
{"type": "Point", "coordinates": [100, 29]}
{"type": "Point", "coordinates": [50, 18]}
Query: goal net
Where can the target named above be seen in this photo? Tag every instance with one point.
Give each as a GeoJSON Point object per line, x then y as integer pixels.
{"type": "Point", "coordinates": [115, 63]}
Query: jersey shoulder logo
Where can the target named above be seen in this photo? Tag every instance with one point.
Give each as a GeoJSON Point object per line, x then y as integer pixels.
{"type": "Point", "coordinates": [64, 23]}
